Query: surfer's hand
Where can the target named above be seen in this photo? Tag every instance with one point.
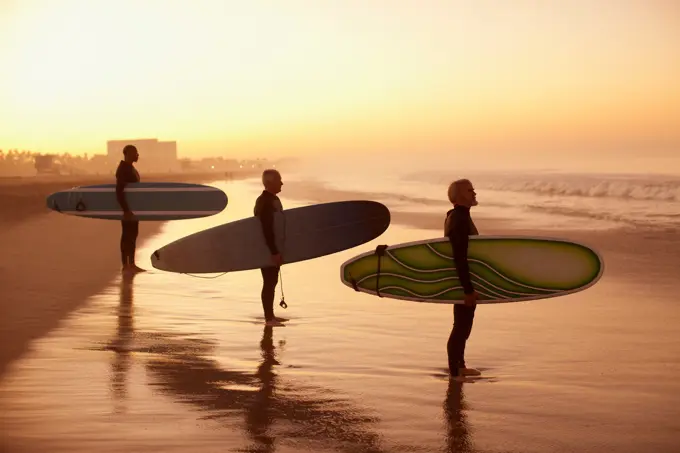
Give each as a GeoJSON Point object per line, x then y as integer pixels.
{"type": "Point", "coordinates": [276, 259]}
{"type": "Point", "coordinates": [471, 299]}
{"type": "Point", "coordinates": [128, 215]}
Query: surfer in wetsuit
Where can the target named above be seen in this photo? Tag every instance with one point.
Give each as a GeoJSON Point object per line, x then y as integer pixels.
{"type": "Point", "coordinates": [458, 227]}
{"type": "Point", "coordinates": [126, 173]}
{"type": "Point", "coordinates": [265, 207]}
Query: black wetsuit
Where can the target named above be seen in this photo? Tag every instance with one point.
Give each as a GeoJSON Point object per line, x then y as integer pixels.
{"type": "Point", "coordinates": [458, 227]}
{"type": "Point", "coordinates": [265, 207]}
{"type": "Point", "coordinates": [126, 174]}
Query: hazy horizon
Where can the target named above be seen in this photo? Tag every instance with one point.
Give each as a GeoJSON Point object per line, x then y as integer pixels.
{"type": "Point", "coordinates": [457, 163]}
{"type": "Point", "coordinates": [559, 82]}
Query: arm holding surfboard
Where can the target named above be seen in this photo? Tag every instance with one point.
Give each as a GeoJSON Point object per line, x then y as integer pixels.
{"type": "Point", "coordinates": [459, 231]}
{"type": "Point", "coordinates": [264, 210]}
{"type": "Point", "coordinates": [125, 173]}
{"type": "Point", "coordinates": [266, 205]}
{"type": "Point", "coordinates": [120, 196]}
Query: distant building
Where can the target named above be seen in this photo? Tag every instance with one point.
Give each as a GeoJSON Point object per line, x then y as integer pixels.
{"type": "Point", "coordinates": [154, 156]}
{"type": "Point", "coordinates": [44, 164]}
{"type": "Point", "coordinates": [167, 150]}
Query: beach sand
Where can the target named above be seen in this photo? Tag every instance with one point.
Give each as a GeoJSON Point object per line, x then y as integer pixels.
{"type": "Point", "coordinates": [589, 372]}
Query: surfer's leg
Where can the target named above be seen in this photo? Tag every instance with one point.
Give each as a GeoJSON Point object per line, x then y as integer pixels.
{"type": "Point", "coordinates": [124, 242]}
{"type": "Point", "coordinates": [270, 278]}
{"type": "Point", "coordinates": [128, 242]}
{"type": "Point", "coordinates": [462, 326]}
{"type": "Point", "coordinates": [134, 232]}
{"type": "Point", "coordinates": [451, 347]}
{"type": "Point", "coordinates": [466, 318]}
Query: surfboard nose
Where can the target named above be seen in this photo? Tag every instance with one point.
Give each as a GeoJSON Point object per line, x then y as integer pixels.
{"type": "Point", "coordinates": [50, 202]}
{"type": "Point", "coordinates": [156, 260]}
{"type": "Point", "coordinates": [384, 211]}
{"type": "Point", "coordinates": [377, 210]}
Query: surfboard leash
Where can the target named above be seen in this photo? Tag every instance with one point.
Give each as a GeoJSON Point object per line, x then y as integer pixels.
{"type": "Point", "coordinates": [380, 251]}
{"type": "Point", "coordinates": [283, 303]}
{"type": "Point", "coordinates": [199, 276]}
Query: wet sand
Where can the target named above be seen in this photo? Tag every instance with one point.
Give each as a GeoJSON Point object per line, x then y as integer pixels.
{"type": "Point", "coordinates": [173, 363]}
{"type": "Point", "coordinates": [45, 276]}
{"type": "Point", "coordinates": [51, 262]}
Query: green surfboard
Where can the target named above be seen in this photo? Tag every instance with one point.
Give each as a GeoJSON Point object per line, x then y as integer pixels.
{"type": "Point", "coordinates": [502, 269]}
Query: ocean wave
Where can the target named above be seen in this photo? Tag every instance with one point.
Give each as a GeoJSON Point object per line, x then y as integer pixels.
{"type": "Point", "coordinates": [599, 189]}
{"type": "Point", "coordinates": [641, 203]}
{"type": "Point", "coordinates": [583, 214]}
{"type": "Point", "coordinates": [571, 185]}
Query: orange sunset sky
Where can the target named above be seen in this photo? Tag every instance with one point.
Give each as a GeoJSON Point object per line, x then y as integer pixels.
{"type": "Point", "coordinates": [294, 77]}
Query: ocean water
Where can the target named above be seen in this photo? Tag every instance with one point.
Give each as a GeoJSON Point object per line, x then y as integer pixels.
{"type": "Point", "coordinates": [167, 362]}
{"type": "Point", "coordinates": [539, 199]}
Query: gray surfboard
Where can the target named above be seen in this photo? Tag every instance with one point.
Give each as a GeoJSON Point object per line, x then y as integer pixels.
{"type": "Point", "coordinates": [148, 201]}
{"type": "Point", "coordinates": [301, 234]}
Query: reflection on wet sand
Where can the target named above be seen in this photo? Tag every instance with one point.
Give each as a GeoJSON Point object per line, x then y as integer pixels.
{"type": "Point", "coordinates": [458, 437]}
{"type": "Point", "coordinates": [260, 416]}
{"type": "Point", "coordinates": [304, 416]}
{"type": "Point", "coordinates": [307, 414]}
{"type": "Point", "coordinates": [122, 360]}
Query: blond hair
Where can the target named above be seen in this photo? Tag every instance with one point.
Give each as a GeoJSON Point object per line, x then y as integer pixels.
{"type": "Point", "coordinates": [454, 187]}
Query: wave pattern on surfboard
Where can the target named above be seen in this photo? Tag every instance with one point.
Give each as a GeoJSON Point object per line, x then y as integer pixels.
{"type": "Point", "coordinates": [502, 269]}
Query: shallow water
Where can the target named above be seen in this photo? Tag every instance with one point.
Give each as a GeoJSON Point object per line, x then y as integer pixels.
{"type": "Point", "coordinates": [167, 362]}
{"type": "Point", "coordinates": [536, 199]}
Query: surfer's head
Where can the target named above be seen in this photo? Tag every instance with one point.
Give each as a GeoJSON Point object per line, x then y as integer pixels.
{"type": "Point", "coordinates": [271, 179]}
{"type": "Point", "coordinates": [461, 192]}
{"type": "Point", "coordinates": [131, 154]}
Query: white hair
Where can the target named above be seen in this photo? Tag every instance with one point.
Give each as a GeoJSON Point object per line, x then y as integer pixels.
{"type": "Point", "coordinates": [454, 187]}
{"type": "Point", "coordinates": [269, 174]}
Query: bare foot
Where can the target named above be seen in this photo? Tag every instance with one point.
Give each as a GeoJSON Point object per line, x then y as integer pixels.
{"type": "Point", "coordinates": [470, 372]}
{"type": "Point", "coordinates": [460, 379]}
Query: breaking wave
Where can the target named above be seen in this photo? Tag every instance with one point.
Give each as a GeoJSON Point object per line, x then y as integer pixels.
{"type": "Point", "coordinates": [652, 188]}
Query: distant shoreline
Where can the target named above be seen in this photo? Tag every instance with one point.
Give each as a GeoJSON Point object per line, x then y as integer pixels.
{"type": "Point", "coordinates": [110, 177]}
